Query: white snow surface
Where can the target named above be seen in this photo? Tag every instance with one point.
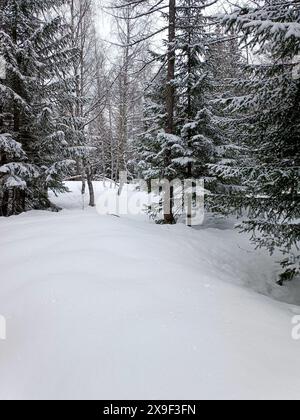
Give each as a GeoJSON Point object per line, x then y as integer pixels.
{"type": "Point", "coordinates": [105, 307]}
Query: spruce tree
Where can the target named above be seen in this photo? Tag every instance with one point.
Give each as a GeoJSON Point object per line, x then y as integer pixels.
{"type": "Point", "coordinates": [34, 44]}
{"type": "Point", "coordinates": [270, 104]}
{"type": "Point", "coordinates": [194, 89]}
{"type": "Point", "coordinates": [187, 152]}
{"type": "Point", "coordinates": [228, 67]}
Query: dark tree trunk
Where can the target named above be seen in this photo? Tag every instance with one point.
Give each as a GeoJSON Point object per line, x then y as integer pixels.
{"type": "Point", "coordinates": [170, 104]}
{"type": "Point", "coordinates": [189, 116]}
{"type": "Point", "coordinates": [91, 188]}
{"type": "Point", "coordinates": [4, 204]}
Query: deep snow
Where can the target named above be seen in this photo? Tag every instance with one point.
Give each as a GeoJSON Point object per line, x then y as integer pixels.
{"type": "Point", "coordinates": [119, 308]}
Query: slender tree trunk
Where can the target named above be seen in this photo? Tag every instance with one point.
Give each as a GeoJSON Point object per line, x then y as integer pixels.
{"type": "Point", "coordinates": [170, 105]}
{"type": "Point", "coordinates": [3, 209]}
{"type": "Point", "coordinates": [16, 199]}
{"type": "Point", "coordinates": [189, 116]}
{"type": "Point", "coordinates": [111, 140]}
{"type": "Point", "coordinates": [4, 204]}
{"type": "Point", "coordinates": [91, 187]}
{"type": "Point", "coordinates": [126, 96]}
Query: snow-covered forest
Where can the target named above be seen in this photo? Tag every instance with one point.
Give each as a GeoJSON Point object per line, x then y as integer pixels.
{"type": "Point", "coordinates": [142, 101]}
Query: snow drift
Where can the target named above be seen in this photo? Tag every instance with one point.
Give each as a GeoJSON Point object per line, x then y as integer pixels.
{"type": "Point", "coordinates": [100, 307]}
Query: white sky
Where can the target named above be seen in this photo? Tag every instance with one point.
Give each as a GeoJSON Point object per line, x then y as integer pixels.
{"type": "Point", "coordinates": [103, 20]}
{"type": "Point", "coordinates": [105, 25]}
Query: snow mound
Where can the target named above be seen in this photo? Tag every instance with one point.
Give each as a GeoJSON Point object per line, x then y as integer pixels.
{"type": "Point", "coordinates": [100, 307]}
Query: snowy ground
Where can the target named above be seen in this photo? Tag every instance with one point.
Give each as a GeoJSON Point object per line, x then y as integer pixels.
{"type": "Point", "coordinates": [103, 307]}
